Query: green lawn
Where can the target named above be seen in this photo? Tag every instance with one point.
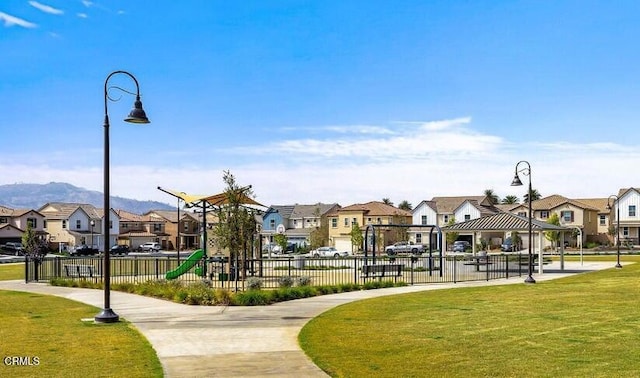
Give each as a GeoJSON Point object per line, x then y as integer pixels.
{"type": "Point", "coordinates": [587, 325]}
{"type": "Point", "coordinates": [51, 329]}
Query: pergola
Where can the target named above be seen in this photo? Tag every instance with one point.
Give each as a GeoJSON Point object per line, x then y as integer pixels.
{"type": "Point", "coordinates": [507, 222]}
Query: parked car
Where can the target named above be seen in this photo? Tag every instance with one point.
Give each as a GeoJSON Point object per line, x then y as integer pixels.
{"type": "Point", "coordinates": [461, 246]}
{"type": "Point", "coordinates": [13, 248]}
{"type": "Point", "coordinates": [291, 248]}
{"type": "Point", "coordinates": [149, 247]}
{"type": "Point", "coordinates": [119, 249]}
{"type": "Point", "coordinates": [328, 252]}
{"type": "Point", "coordinates": [404, 247]}
{"type": "Point", "coordinates": [508, 246]}
{"type": "Point", "coordinates": [84, 250]}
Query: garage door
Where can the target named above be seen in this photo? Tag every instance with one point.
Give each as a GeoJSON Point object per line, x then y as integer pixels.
{"type": "Point", "coordinates": [343, 244]}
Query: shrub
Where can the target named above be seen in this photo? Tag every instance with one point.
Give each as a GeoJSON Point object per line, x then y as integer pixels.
{"type": "Point", "coordinates": [223, 297]}
{"type": "Point", "coordinates": [254, 283]}
{"type": "Point", "coordinates": [304, 281]}
{"type": "Point", "coordinates": [252, 298]}
{"type": "Point", "coordinates": [285, 281]}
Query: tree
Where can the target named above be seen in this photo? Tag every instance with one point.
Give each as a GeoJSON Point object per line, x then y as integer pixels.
{"type": "Point", "coordinates": [534, 196]}
{"type": "Point", "coordinates": [34, 248]}
{"type": "Point", "coordinates": [282, 241]}
{"type": "Point", "coordinates": [356, 237]}
{"type": "Point", "coordinates": [553, 236]}
{"type": "Point", "coordinates": [387, 201]}
{"type": "Point", "coordinates": [492, 196]}
{"type": "Point", "coordinates": [451, 236]}
{"type": "Point", "coordinates": [320, 236]}
{"type": "Point", "coordinates": [510, 200]}
{"type": "Point", "coordinates": [405, 205]}
{"type": "Point", "coordinates": [236, 223]}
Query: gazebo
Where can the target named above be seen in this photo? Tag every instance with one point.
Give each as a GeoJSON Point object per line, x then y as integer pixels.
{"type": "Point", "coordinates": [501, 223]}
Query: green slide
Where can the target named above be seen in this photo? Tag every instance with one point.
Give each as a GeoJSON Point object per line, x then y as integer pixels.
{"type": "Point", "coordinates": [185, 266]}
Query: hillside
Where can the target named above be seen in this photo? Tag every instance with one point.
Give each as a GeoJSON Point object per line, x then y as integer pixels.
{"type": "Point", "coordinates": [33, 196]}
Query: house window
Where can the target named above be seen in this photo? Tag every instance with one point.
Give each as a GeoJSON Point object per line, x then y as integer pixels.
{"type": "Point", "coordinates": [346, 222]}
{"type": "Point", "coordinates": [445, 218]}
{"type": "Point", "coordinates": [124, 225]}
{"type": "Point", "coordinates": [424, 219]}
{"type": "Point", "coordinates": [522, 213]}
{"type": "Point", "coordinates": [186, 226]}
{"type": "Point", "coordinates": [632, 210]}
{"type": "Point", "coordinates": [567, 216]}
{"type": "Point", "coordinates": [368, 220]}
{"type": "Point", "coordinates": [379, 220]}
{"type": "Point", "coordinates": [334, 222]}
{"type": "Point", "coordinates": [64, 224]}
{"type": "Point", "coordinates": [295, 222]}
{"type": "Point", "coordinates": [418, 238]}
{"type": "Point", "coordinates": [354, 221]}
{"type": "Point", "coordinates": [110, 224]}
{"type": "Point", "coordinates": [467, 217]}
{"type": "Point", "coordinates": [544, 214]}
{"type": "Point", "coordinates": [157, 227]}
{"type": "Point", "coordinates": [603, 220]}
{"type": "Point", "coordinates": [4, 220]}
{"type": "Point", "coordinates": [78, 224]}
{"type": "Point", "coordinates": [625, 232]}
{"type": "Point", "coordinates": [272, 224]}
{"type": "Point", "coordinates": [32, 222]}
{"type": "Point", "coordinates": [44, 223]}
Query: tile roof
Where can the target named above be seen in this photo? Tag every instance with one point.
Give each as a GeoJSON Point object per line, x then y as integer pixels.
{"type": "Point", "coordinates": [375, 208]}
{"type": "Point", "coordinates": [596, 203]}
{"type": "Point", "coordinates": [555, 200]}
{"type": "Point", "coordinates": [307, 211]}
{"type": "Point", "coordinates": [448, 205]}
{"type": "Point", "coordinates": [284, 210]}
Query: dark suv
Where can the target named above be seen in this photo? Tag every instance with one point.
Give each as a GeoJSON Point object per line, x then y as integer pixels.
{"type": "Point", "coordinates": [119, 249]}
{"type": "Point", "coordinates": [461, 246]}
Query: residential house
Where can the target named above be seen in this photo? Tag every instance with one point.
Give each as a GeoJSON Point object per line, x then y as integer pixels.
{"type": "Point", "coordinates": [605, 220]}
{"type": "Point", "coordinates": [73, 225]}
{"type": "Point", "coordinates": [440, 211]}
{"type": "Point", "coordinates": [138, 229]}
{"type": "Point", "coordinates": [275, 220]}
{"type": "Point", "coordinates": [184, 233]}
{"type": "Point", "coordinates": [306, 218]}
{"type": "Point", "coordinates": [572, 214]}
{"type": "Point", "coordinates": [14, 222]}
{"type": "Point", "coordinates": [628, 206]}
{"type": "Point", "coordinates": [377, 214]}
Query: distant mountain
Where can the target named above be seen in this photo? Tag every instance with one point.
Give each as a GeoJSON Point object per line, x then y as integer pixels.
{"type": "Point", "coordinates": [34, 196]}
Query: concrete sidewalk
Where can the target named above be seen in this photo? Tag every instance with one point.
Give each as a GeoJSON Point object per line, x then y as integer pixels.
{"type": "Point", "coordinates": [197, 341]}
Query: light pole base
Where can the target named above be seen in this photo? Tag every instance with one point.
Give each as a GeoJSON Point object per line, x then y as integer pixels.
{"type": "Point", "coordinates": [529, 280]}
{"type": "Point", "coordinates": [618, 266]}
{"type": "Point", "coordinates": [106, 316]}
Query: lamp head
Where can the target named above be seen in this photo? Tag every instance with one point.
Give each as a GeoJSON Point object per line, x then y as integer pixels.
{"type": "Point", "coordinates": [516, 181]}
{"type": "Point", "coordinates": [137, 114]}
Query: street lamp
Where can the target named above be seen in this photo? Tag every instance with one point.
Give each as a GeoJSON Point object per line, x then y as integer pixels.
{"type": "Point", "coordinates": [617, 225]}
{"type": "Point", "coordinates": [516, 182]}
{"type": "Point", "coordinates": [137, 115]}
{"type": "Point", "coordinates": [93, 223]}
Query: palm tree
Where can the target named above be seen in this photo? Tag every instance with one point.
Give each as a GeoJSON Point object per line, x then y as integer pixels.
{"type": "Point", "coordinates": [510, 200]}
{"type": "Point", "coordinates": [493, 197]}
{"type": "Point", "coordinates": [405, 205]}
{"type": "Point", "coordinates": [387, 201]}
{"type": "Point", "coordinates": [535, 195]}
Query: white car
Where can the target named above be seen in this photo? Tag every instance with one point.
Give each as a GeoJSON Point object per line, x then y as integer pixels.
{"type": "Point", "coordinates": [328, 252]}
{"type": "Point", "coordinates": [149, 247]}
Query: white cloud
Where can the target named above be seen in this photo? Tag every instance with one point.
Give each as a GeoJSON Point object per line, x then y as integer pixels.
{"type": "Point", "coordinates": [46, 8]}
{"type": "Point", "coordinates": [87, 3]}
{"type": "Point", "coordinates": [10, 20]}
{"type": "Point", "coordinates": [81, 15]}
{"type": "Point", "coordinates": [445, 162]}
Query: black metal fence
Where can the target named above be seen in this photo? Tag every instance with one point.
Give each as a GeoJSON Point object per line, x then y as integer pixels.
{"type": "Point", "coordinates": [272, 272]}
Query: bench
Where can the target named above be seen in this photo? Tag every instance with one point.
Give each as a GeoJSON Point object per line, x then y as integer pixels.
{"type": "Point", "coordinates": [82, 271]}
{"type": "Point", "coordinates": [382, 270]}
{"type": "Point", "coordinates": [478, 261]}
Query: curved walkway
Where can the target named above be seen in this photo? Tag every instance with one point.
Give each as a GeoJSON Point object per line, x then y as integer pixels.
{"type": "Point", "coordinates": [196, 341]}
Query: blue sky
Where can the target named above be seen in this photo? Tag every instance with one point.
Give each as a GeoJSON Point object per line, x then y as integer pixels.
{"type": "Point", "coordinates": [330, 101]}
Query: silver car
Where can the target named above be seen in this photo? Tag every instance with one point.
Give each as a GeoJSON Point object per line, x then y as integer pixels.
{"type": "Point", "coordinates": [328, 252]}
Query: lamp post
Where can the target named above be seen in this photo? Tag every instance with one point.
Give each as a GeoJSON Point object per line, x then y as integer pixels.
{"type": "Point", "coordinates": [616, 199]}
{"type": "Point", "coordinates": [516, 182]}
{"type": "Point", "coordinates": [137, 115]}
{"type": "Point", "coordinates": [93, 223]}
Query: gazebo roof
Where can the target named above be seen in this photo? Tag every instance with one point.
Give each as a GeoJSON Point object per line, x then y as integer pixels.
{"type": "Point", "coordinates": [503, 222]}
